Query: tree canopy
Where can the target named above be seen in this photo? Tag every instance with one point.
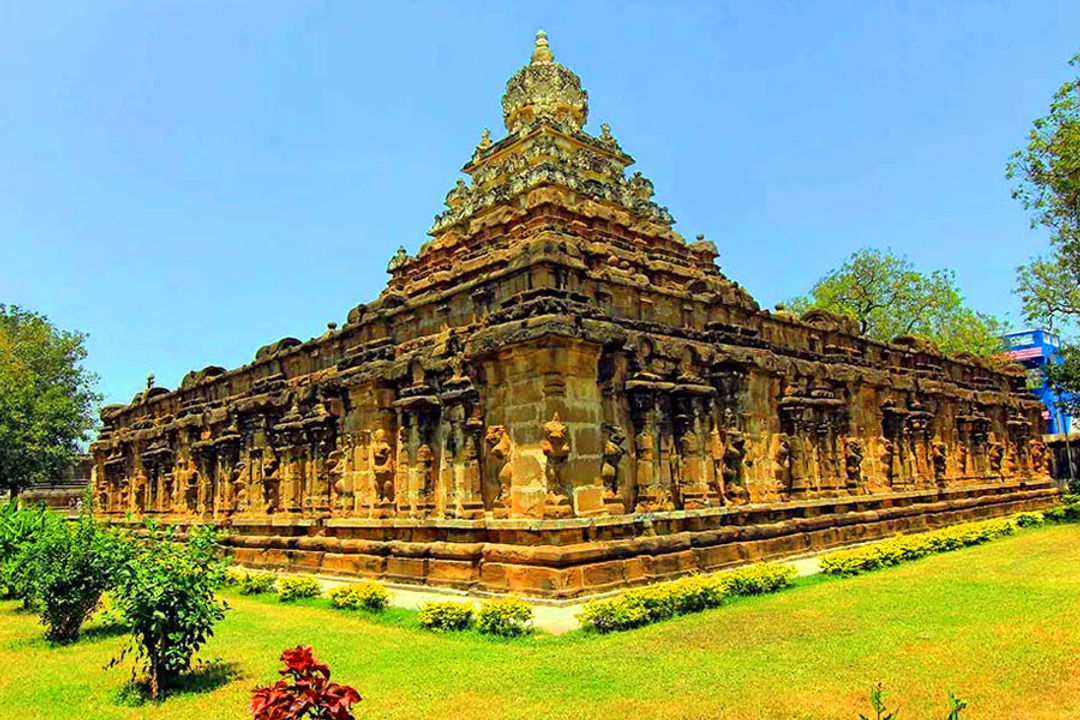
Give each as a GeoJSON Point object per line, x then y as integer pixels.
{"type": "Point", "coordinates": [1047, 183]}
{"type": "Point", "coordinates": [47, 398]}
{"type": "Point", "coordinates": [888, 297]}
{"type": "Point", "coordinates": [1047, 177]}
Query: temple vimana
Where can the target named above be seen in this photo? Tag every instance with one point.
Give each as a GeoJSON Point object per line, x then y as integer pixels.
{"type": "Point", "coordinates": [559, 395]}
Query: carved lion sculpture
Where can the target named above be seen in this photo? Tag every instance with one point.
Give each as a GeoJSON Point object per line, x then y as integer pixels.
{"type": "Point", "coordinates": [501, 448]}
{"type": "Point", "coordinates": [557, 442]}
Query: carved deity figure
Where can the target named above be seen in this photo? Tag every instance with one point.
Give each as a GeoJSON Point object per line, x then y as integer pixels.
{"type": "Point", "coordinates": [340, 491]}
{"type": "Point", "coordinates": [938, 458]}
{"type": "Point", "coordinates": [644, 449]}
{"type": "Point", "coordinates": [691, 474]}
{"type": "Point", "coordinates": [141, 486]}
{"type": "Point", "coordinates": [853, 457]}
{"type": "Point", "coordinates": [124, 493]}
{"type": "Point", "coordinates": [613, 454]}
{"type": "Point", "coordinates": [734, 452]}
{"type": "Point", "coordinates": [886, 452]}
{"type": "Point", "coordinates": [423, 471]}
{"type": "Point", "coordinates": [469, 494]}
{"type": "Point", "coordinates": [382, 465]}
{"type": "Point", "coordinates": [783, 459]}
{"type": "Point", "coordinates": [239, 488]}
{"type": "Point", "coordinates": [1038, 458]}
{"type": "Point", "coordinates": [271, 481]}
{"type": "Point", "coordinates": [996, 453]}
{"type": "Point", "coordinates": [653, 493]}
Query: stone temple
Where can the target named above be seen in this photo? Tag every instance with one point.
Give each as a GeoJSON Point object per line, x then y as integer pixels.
{"type": "Point", "coordinates": [559, 395]}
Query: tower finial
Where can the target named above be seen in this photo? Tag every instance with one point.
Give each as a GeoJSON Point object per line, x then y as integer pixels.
{"type": "Point", "coordinates": [542, 52]}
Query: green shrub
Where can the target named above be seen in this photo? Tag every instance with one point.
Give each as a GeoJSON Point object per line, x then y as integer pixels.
{"type": "Point", "coordinates": [760, 579]}
{"type": "Point", "coordinates": [293, 588]}
{"type": "Point", "coordinates": [644, 606]}
{"type": "Point", "coordinates": [365, 595]}
{"type": "Point", "coordinates": [1029, 519]}
{"type": "Point", "coordinates": [19, 528]}
{"type": "Point", "coordinates": [1071, 498]}
{"type": "Point", "coordinates": [249, 583]}
{"type": "Point", "coordinates": [233, 577]}
{"type": "Point", "coordinates": [1064, 513]}
{"type": "Point", "coordinates": [904, 548]}
{"type": "Point", "coordinates": [166, 593]}
{"type": "Point", "coordinates": [71, 565]}
{"type": "Point", "coordinates": [446, 615]}
{"type": "Point", "coordinates": [506, 617]}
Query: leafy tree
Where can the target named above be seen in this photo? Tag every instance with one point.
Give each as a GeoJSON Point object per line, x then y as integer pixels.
{"type": "Point", "coordinates": [888, 297]}
{"type": "Point", "coordinates": [72, 564]}
{"type": "Point", "coordinates": [1047, 171]}
{"type": "Point", "coordinates": [46, 398]}
{"type": "Point", "coordinates": [165, 590]}
{"type": "Point", "coordinates": [1047, 177]}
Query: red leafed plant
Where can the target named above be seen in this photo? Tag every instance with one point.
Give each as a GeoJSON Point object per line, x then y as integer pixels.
{"type": "Point", "coordinates": [305, 691]}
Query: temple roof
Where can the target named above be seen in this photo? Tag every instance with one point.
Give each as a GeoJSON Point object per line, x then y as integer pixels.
{"type": "Point", "coordinates": [544, 90]}
{"type": "Point", "coordinates": [545, 109]}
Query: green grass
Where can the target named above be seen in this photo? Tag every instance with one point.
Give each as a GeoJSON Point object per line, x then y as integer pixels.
{"type": "Point", "coordinates": [999, 624]}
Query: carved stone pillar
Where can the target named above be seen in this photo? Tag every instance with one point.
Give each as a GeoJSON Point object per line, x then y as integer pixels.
{"type": "Point", "coordinates": [653, 485]}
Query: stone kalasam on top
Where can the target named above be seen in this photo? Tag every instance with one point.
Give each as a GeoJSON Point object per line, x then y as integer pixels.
{"type": "Point", "coordinates": [559, 395]}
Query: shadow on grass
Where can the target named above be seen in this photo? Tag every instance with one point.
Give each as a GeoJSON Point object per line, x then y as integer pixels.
{"type": "Point", "coordinates": [204, 678]}
{"type": "Point", "coordinates": [96, 633]}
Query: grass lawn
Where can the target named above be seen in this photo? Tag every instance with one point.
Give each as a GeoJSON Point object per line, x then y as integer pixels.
{"type": "Point", "coordinates": [1000, 624]}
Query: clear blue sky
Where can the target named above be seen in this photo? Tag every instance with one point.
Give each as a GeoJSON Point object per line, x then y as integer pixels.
{"type": "Point", "coordinates": [186, 181]}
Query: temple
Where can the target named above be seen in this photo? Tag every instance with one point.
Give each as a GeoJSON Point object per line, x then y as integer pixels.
{"type": "Point", "coordinates": [559, 395]}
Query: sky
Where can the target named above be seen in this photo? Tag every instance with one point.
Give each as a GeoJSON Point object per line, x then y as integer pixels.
{"type": "Point", "coordinates": [187, 181]}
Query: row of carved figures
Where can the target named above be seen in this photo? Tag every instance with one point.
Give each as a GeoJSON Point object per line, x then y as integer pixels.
{"type": "Point", "coordinates": [469, 471]}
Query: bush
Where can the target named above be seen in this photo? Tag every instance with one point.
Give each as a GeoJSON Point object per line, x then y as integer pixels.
{"type": "Point", "coordinates": [506, 617]}
{"type": "Point", "coordinates": [233, 577]}
{"type": "Point", "coordinates": [166, 593]}
{"type": "Point", "coordinates": [306, 692]}
{"type": "Point", "coordinates": [904, 548]}
{"type": "Point", "coordinates": [366, 595]}
{"type": "Point", "coordinates": [446, 615]}
{"type": "Point", "coordinates": [1029, 519]}
{"type": "Point", "coordinates": [249, 583]}
{"type": "Point", "coordinates": [71, 566]}
{"type": "Point", "coordinates": [1064, 513]}
{"type": "Point", "coordinates": [294, 588]}
{"type": "Point", "coordinates": [760, 579]}
{"type": "Point", "coordinates": [19, 528]}
{"type": "Point", "coordinates": [643, 606]}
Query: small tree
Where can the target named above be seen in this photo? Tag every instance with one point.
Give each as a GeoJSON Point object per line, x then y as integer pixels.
{"type": "Point", "coordinates": [71, 564]}
{"type": "Point", "coordinates": [166, 594]}
{"type": "Point", "coordinates": [888, 297]}
{"type": "Point", "coordinates": [19, 528]}
{"type": "Point", "coordinates": [47, 400]}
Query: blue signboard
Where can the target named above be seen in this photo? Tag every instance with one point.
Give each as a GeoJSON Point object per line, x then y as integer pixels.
{"type": "Point", "coordinates": [1033, 349]}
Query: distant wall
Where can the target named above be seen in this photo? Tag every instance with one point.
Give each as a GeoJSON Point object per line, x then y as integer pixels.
{"type": "Point", "coordinates": [65, 491]}
{"type": "Point", "coordinates": [1062, 448]}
